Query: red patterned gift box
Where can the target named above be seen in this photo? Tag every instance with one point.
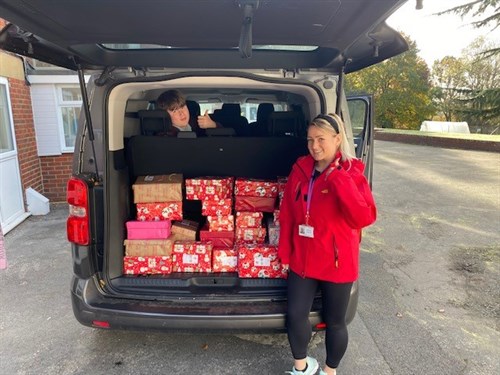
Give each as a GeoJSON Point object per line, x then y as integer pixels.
{"type": "Point", "coordinates": [192, 256]}
{"type": "Point", "coordinates": [224, 239]}
{"type": "Point", "coordinates": [246, 219]}
{"type": "Point", "coordinates": [161, 188]}
{"type": "Point", "coordinates": [259, 261]}
{"type": "Point", "coordinates": [209, 188]}
{"type": "Point", "coordinates": [257, 235]}
{"type": "Point", "coordinates": [220, 223]}
{"type": "Point", "coordinates": [255, 188]}
{"type": "Point", "coordinates": [148, 265]}
{"type": "Point", "coordinates": [254, 204]}
{"type": "Point", "coordinates": [224, 260]}
{"type": "Point", "coordinates": [159, 211]}
{"type": "Point", "coordinates": [276, 216]}
{"type": "Point", "coordinates": [217, 208]}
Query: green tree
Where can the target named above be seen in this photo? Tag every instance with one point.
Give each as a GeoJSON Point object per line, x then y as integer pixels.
{"type": "Point", "coordinates": [481, 105]}
{"type": "Point", "coordinates": [401, 90]}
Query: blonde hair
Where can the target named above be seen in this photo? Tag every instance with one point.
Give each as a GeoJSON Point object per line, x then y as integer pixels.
{"type": "Point", "coordinates": [330, 123]}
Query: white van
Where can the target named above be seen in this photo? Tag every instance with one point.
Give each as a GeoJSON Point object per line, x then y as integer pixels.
{"type": "Point", "coordinates": [287, 55]}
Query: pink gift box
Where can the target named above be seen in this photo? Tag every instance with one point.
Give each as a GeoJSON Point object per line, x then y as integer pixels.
{"type": "Point", "coordinates": [148, 230]}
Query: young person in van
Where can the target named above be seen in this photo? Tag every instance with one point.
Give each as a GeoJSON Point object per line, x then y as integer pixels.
{"type": "Point", "coordinates": [174, 102]}
{"type": "Point", "coordinates": [327, 201]}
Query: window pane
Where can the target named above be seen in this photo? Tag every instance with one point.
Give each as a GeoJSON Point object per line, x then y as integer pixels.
{"type": "Point", "coordinates": [71, 94]}
{"type": "Point", "coordinates": [357, 111]}
{"type": "Point", "coordinates": [6, 141]}
{"type": "Point", "coordinates": [70, 122]}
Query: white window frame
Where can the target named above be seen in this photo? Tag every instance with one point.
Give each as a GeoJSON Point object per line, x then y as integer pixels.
{"type": "Point", "coordinates": [62, 104]}
{"type": "Point", "coordinates": [8, 154]}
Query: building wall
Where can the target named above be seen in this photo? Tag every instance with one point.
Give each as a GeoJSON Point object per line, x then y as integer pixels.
{"type": "Point", "coordinates": [56, 171]}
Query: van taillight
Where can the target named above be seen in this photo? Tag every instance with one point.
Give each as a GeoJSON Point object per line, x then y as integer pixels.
{"type": "Point", "coordinates": [77, 226]}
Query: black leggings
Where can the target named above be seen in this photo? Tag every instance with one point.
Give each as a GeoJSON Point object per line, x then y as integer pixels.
{"type": "Point", "coordinates": [335, 296]}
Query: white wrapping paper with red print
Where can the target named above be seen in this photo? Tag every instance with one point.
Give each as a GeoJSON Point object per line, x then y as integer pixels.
{"type": "Point", "coordinates": [224, 260]}
{"type": "Point", "coordinates": [160, 188]}
{"type": "Point", "coordinates": [259, 261]}
{"type": "Point", "coordinates": [221, 207]}
{"type": "Point", "coordinates": [209, 188]}
{"type": "Point", "coordinates": [255, 188]}
{"type": "Point", "coordinates": [254, 204]}
{"type": "Point", "coordinates": [281, 186]}
{"type": "Point", "coordinates": [220, 223]}
{"type": "Point", "coordinates": [159, 211]}
{"type": "Point", "coordinates": [248, 219]}
{"type": "Point", "coordinates": [220, 239]}
{"type": "Point", "coordinates": [276, 217]}
{"type": "Point", "coordinates": [273, 232]}
{"type": "Point", "coordinates": [147, 265]}
{"type": "Point", "coordinates": [192, 256]}
{"type": "Point", "coordinates": [249, 235]}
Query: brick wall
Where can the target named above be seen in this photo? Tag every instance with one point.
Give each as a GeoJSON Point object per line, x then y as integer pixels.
{"type": "Point", "coordinates": [56, 172]}
{"type": "Point", "coordinates": [29, 163]}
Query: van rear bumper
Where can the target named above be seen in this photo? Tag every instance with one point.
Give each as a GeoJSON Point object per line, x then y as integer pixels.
{"type": "Point", "coordinates": [90, 305]}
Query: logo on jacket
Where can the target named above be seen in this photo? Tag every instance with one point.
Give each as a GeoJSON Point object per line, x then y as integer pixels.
{"type": "Point", "coordinates": [325, 191]}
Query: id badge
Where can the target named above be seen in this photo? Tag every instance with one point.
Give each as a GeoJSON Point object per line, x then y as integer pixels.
{"type": "Point", "coordinates": [306, 231]}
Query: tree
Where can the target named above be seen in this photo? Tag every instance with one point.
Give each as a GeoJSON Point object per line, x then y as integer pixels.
{"type": "Point", "coordinates": [448, 74]}
{"type": "Point", "coordinates": [401, 90]}
{"type": "Point", "coordinates": [482, 102]}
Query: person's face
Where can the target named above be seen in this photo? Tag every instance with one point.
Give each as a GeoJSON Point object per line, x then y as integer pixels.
{"type": "Point", "coordinates": [179, 116]}
{"type": "Point", "coordinates": [322, 144]}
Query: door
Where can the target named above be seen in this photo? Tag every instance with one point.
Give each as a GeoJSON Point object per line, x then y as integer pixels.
{"type": "Point", "coordinates": [361, 114]}
{"type": "Point", "coordinates": [11, 194]}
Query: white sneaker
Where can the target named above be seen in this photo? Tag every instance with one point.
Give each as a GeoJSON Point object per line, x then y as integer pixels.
{"type": "Point", "coordinates": [312, 367]}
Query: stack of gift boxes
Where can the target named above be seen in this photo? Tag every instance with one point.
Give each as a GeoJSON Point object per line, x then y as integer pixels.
{"type": "Point", "coordinates": [233, 238]}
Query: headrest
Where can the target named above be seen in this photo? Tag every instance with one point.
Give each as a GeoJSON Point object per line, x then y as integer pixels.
{"type": "Point", "coordinates": [231, 109]}
{"type": "Point", "coordinates": [263, 111]}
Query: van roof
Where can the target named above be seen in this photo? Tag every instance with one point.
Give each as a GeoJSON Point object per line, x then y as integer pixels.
{"type": "Point", "coordinates": [229, 34]}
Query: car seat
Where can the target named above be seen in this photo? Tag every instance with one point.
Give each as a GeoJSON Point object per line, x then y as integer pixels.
{"type": "Point", "coordinates": [259, 128]}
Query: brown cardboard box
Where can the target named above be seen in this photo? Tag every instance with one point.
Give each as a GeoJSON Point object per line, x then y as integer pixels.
{"type": "Point", "coordinates": [149, 248]}
{"type": "Point", "coordinates": [161, 188]}
{"type": "Point", "coordinates": [185, 229]}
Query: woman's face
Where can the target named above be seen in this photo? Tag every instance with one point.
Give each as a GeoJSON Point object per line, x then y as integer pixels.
{"type": "Point", "coordinates": [179, 116]}
{"type": "Point", "coordinates": [322, 144]}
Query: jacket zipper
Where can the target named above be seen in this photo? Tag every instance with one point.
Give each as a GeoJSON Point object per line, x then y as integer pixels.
{"type": "Point", "coordinates": [336, 255]}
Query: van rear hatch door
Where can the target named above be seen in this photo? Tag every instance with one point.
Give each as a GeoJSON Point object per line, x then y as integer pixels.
{"type": "Point", "coordinates": [284, 34]}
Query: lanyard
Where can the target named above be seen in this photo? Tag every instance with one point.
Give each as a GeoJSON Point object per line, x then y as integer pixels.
{"type": "Point", "coordinates": [309, 196]}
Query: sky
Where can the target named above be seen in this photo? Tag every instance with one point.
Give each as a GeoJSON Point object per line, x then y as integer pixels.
{"type": "Point", "coordinates": [438, 36]}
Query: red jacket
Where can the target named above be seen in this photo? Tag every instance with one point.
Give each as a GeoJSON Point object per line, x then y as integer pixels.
{"type": "Point", "coordinates": [341, 204]}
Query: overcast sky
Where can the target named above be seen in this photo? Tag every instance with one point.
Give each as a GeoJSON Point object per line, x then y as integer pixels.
{"type": "Point", "coordinates": [437, 36]}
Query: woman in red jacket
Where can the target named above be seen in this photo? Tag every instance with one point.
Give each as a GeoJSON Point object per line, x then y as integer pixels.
{"type": "Point", "coordinates": [327, 201]}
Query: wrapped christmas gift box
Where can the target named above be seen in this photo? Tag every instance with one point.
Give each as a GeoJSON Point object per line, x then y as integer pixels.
{"type": "Point", "coordinates": [224, 260]}
{"type": "Point", "coordinates": [281, 186]}
{"type": "Point", "coordinates": [185, 229]}
{"type": "Point", "coordinates": [192, 256]}
{"type": "Point", "coordinates": [221, 239]}
{"type": "Point", "coordinates": [220, 223]}
{"type": "Point", "coordinates": [257, 235]}
{"type": "Point", "coordinates": [259, 261]}
{"type": "Point", "coordinates": [221, 207]}
{"type": "Point", "coordinates": [246, 219]}
{"type": "Point", "coordinates": [159, 211]}
{"type": "Point", "coordinates": [276, 217]}
{"type": "Point", "coordinates": [148, 265]}
{"type": "Point", "coordinates": [255, 188]}
{"type": "Point", "coordinates": [273, 232]}
{"type": "Point", "coordinates": [160, 188]}
{"type": "Point", "coordinates": [149, 247]}
{"type": "Point", "coordinates": [254, 204]}
{"type": "Point", "coordinates": [209, 188]}
{"type": "Point", "coordinates": [148, 230]}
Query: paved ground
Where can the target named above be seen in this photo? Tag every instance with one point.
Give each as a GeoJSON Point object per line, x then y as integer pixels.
{"type": "Point", "coordinates": [429, 300]}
